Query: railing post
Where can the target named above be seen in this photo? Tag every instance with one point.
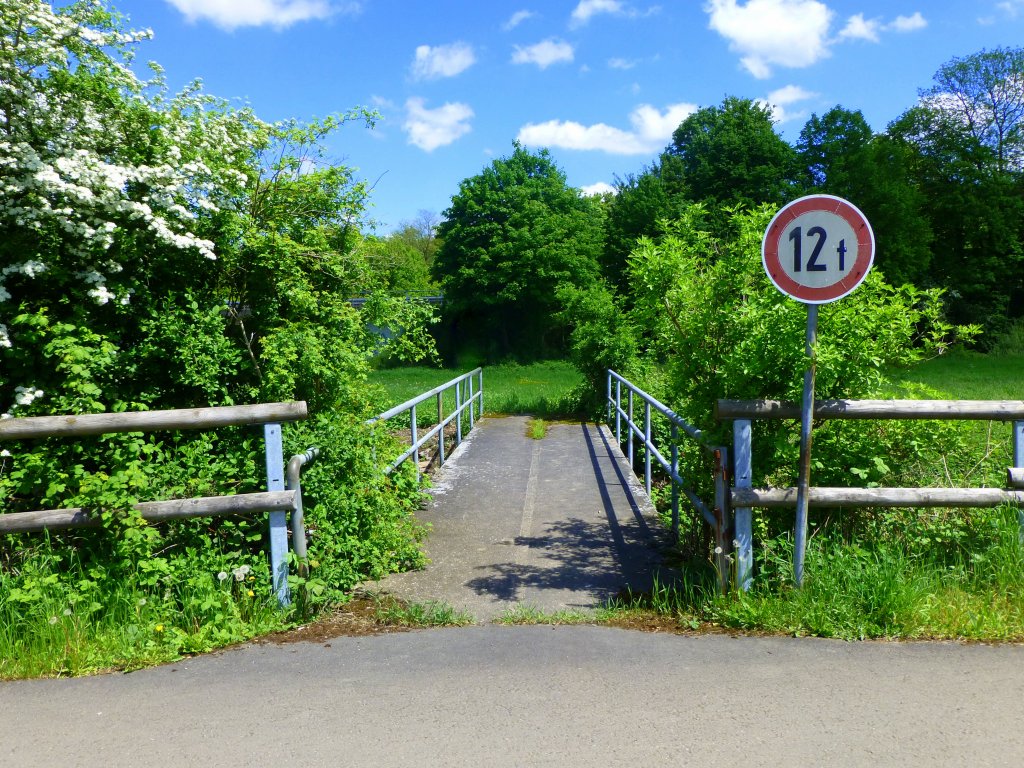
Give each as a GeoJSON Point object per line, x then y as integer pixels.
{"type": "Point", "coordinates": [722, 517]}
{"type": "Point", "coordinates": [743, 517]}
{"type": "Point", "coordinates": [472, 402]}
{"type": "Point", "coordinates": [1018, 461]}
{"type": "Point", "coordinates": [618, 414]}
{"type": "Point", "coordinates": [480, 413]}
{"type": "Point", "coordinates": [632, 466]}
{"type": "Point", "coordinates": [278, 519]}
{"type": "Point", "coordinates": [647, 447]}
{"type": "Point", "coordinates": [675, 485]}
{"type": "Point", "coordinates": [440, 431]}
{"type": "Point", "coordinates": [458, 413]}
{"type": "Point", "coordinates": [415, 439]}
{"type": "Point", "coordinates": [608, 397]}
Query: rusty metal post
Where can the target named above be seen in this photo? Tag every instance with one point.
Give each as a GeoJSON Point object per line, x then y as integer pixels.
{"type": "Point", "coordinates": [721, 512]}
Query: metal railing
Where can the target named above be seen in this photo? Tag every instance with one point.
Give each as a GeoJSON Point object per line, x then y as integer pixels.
{"type": "Point", "coordinates": [743, 497]}
{"type": "Point", "coordinates": [465, 399]}
{"type": "Point", "coordinates": [276, 499]}
{"type": "Point", "coordinates": [716, 515]}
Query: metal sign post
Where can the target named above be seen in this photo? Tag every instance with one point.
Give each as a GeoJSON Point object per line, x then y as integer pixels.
{"type": "Point", "coordinates": [816, 250]}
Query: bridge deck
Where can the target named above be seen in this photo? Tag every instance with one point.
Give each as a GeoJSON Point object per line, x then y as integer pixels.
{"type": "Point", "coordinates": [557, 523]}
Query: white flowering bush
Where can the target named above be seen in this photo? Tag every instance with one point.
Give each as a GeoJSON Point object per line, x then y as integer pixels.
{"type": "Point", "coordinates": [161, 251]}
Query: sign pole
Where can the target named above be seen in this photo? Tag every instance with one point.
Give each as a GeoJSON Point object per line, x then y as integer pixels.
{"type": "Point", "coordinates": [806, 421]}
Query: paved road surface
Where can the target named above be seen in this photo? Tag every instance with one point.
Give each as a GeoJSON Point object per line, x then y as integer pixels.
{"type": "Point", "coordinates": [535, 696]}
{"type": "Point", "coordinates": [558, 523]}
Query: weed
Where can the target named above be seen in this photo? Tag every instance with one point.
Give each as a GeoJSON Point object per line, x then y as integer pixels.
{"type": "Point", "coordinates": [395, 613]}
{"type": "Point", "coordinates": [536, 429]}
{"type": "Point", "coordinates": [522, 613]}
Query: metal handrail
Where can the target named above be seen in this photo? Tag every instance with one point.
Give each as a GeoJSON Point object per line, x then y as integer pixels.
{"type": "Point", "coordinates": [293, 482]}
{"type": "Point", "coordinates": [716, 515]}
{"type": "Point", "coordinates": [463, 401]}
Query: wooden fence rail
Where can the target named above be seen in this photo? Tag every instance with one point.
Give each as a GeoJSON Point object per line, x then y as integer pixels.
{"type": "Point", "coordinates": [275, 500]}
{"type": "Point", "coordinates": [744, 498]}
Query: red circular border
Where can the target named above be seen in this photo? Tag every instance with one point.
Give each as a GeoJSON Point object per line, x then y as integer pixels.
{"type": "Point", "coordinates": [865, 248]}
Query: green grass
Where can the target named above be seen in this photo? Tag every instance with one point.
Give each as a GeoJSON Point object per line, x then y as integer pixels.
{"type": "Point", "coordinates": [524, 614]}
{"type": "Point", "coordinates": [965, 376]}
{"type": "Point", "coordinates": [543, 389]}
{"type": "Point", "coordinates": [394, 613]}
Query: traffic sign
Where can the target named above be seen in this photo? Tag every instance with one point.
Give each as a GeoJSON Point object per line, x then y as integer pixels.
{"type": "Point", "coordinates": [818, 249]}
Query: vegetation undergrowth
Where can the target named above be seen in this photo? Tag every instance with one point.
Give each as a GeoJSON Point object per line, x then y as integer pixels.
{"type": "Point", "coordinates": [527, 615]}
{"type": "Point", "coordinates": [395, 613]}
{"type": "Point", "coordinates": [971, 590]}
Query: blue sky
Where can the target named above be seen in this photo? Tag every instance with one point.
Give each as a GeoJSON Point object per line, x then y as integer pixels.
{"type": "Point", "coordinates": [601, 83]}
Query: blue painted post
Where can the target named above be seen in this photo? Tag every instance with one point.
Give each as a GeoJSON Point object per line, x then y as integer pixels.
{"type": "Point", "coordinates": [618, 414]}
{"type": "Point", "coordinates": [1018, 461]}
{"type": "Point", "coordinates": [647, 447]}
{"type": "Point", "coordinates": [630, 425]}
{"type": "Point", "coordinates": [675, 485]}
{"type": "Point", "coordinates": [278, 519]}
{"type": "Point", "coordinates": [440, 424]}
{"type": "Point", "coordinates": [480, 413]}
{"type": "Point", "coordinates": [415, 439]}
{"type": "Point", "coordinates": [458, 413]}
{"type": "Point", "coordinates": [472, 402]}
{"type": "Point", "coordinates": [743, 516]}
{"type": "Point", "coordinates": [608, 397]}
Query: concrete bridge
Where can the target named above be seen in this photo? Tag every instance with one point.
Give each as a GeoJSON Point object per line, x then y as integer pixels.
{"type": "Point", "coordinates": [557, 523]}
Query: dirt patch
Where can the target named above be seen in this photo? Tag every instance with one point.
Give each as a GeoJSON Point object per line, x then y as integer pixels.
{"type": "Point", "coordinates": [357, 618]}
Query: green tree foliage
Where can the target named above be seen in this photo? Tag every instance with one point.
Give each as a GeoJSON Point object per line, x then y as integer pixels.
{"type": "Point", "coordinates": [161, 251]}
{"type": "Point", "coordinates": [512, 235]}
{"type": "Point", "coordinates": [967, 143]}
{"type": "Point", "coordinates": [732, 155]}
{"type": "Point", "coordinates": [841, 156]}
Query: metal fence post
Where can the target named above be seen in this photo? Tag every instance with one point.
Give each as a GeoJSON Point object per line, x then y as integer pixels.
{"type": "Point", "coordinates": [458, 413]}
{"type": "Point", "coordinates": [618, 414]}
{"type": "Point", "coordinates": [278, 519]}
{"type": "Point", "coordinates": [415, 440]}
{"type": "Point", "coordinates": [630, 425]}
{"type": "Point", "coordinates": [722, 517]}
{"type": "Point", "coordinates": [647, 447]}
{"type": "Point", "coordinates": [472, 402]}
{"type": "Point", "coordinates": [608, 397]}
{"type": "Point", "coordinates": [1018, 461]}
{"type": "Point", "coordinates": [480, 413]}
{"type": "Point", "coordinates": [743, 516]}
{"type": "Point", "coordinates": [675, 485]}
{"type": "Point", "coordinates": [440, 424]}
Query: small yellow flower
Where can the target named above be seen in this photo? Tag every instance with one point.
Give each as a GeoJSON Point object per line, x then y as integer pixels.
{"type": "Point", "coordinates": [159, 627]}
{"type": "Point", "coordinates": [251, 593]}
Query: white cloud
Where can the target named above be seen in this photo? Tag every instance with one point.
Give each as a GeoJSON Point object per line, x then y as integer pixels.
{"type": "Point", "coordinates": [916, 22]}
{"type": "Point", "coordinates": [859, 28]}
{"type": "Point", "coordinates": [586, 9]}
{"type": "Point", "coordinates": [651, 128]}
{"type": "Point", "coordinates": [785, 33]}
{"type": "Point", "coordinates": [779, 99]}
{"type": "Point", "coordinates": [516, 19]}
{"type": "Point", "coordinates": [621, 63]}
{"type": "Point", "coordinates": [231, 14]}
{"type": "Point", "coordinates": [429, 129]}
{"type": "Point", "coordinates": [544, 53]}
{"type": "Point", "coordinates": [442, 61]}
{"type": "Point", "coordinates": [598, 188]}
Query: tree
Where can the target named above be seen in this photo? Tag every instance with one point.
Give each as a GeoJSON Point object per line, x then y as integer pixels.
{"type": "Point", "coordinates": [984, 93]}
{"type": "Point", "coordinates": [421, 234]}
{"type": "Point", "coordinates": [732, 155]}
{"type": "Point", "coordinates": [512, 234]}
{"type": "Point", "coordinates": [840, 155]}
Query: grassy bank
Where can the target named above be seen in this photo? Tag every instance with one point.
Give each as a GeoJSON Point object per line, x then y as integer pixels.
{"type": "Point", "coordinates": [543, 389]}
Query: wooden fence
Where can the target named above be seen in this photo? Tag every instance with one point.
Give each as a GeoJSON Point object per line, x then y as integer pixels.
{"type": "Point", "coordinates": [743, 497]}
{"type": "Point", "coordinates": [276, 499]}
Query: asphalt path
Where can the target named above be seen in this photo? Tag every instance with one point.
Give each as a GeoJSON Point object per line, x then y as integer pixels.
{"type": "Point", "coordinates": [535, 696]}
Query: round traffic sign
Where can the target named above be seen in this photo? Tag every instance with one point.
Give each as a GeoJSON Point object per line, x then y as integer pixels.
{"type": "Point", "coordinates": [818, 249]}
